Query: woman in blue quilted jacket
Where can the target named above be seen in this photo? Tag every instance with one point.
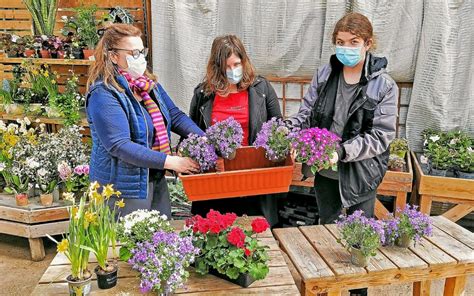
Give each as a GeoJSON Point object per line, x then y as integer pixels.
{"type": "Point", "coordinates": [131, 118]}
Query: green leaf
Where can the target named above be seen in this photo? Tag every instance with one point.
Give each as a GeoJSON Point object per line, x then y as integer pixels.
{"type": "Point", "coordinates": [239, 262]}
{"type": "Point", "coordinates": [259, 271]}
{"type": "Point", "coordinates": [124, 254]}
{"type": "Point", "coordinates": [201, 266]}
{"type": "Point", "coordinates": [232, 273]}
{"type": "Point", "coordinates": [211, 242]}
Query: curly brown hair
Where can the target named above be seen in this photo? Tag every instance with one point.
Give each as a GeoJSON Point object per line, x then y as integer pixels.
{"type": "Point", "coordinates": [216, 79]}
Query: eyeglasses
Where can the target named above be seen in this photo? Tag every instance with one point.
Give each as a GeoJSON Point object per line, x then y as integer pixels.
{"type": "Point", "coordinates": [135, 52]}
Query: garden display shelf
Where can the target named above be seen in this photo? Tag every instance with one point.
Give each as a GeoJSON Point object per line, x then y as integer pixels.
{"type": "Point", "coordinates": [320, 263]}
{"type": "Point", "coordinates": [278, 281]}
{"type": "Point", "coordinates": [6, 60]}
{"type": "Point", "coordinates": [396, 184]}
{"type": "Point", "coordinates": [249, 173]}
{"type": "Point", "coordinates": [33, 221]}
{"type": "Point", "coordinates": [444, 189]}
{"type": "Point", "coordinates": [46, 120]}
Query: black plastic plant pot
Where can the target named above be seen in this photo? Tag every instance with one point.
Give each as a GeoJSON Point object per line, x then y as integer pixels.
{"type": "Point", "coordinates": [106, 280]}
{"type": "Point", "coordinates": [244, 280]}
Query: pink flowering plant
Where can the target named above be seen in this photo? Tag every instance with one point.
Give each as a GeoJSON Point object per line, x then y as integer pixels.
{"type": "Point", "coordinates": [74, 179]}
{"type": "Point", "coordinates": [314, 147]}
{"type": "Point", "coordinates": [361, 233]}
{"type": "Point", "coordinates": [226, 136]}
{"type": "Point", "coordinates": [200, 150]}
{"type": "Point", "coordinates": [275, 137]}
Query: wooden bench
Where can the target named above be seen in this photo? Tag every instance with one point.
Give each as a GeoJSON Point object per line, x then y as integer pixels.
{"type": "Point", "coordinates": [444, 189]}
{"type": "Point", "coordinates": [322, 265]}
{"type": "Point", "coordinates": [32, 221]}
{"type": "Point", "coordinates": [278, 282]}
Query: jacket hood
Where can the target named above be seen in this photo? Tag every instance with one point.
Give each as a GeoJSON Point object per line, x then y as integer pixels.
{"type": "Point", "coordinates": [373, 67]}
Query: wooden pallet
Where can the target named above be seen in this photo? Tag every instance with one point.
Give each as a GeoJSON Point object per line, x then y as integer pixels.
{"type": "Point", "coordinates": [322, 265]}
{"type": "Point", "coordinates": [444, 189]}
{"type": "Point", "coordinates": [278, 282]}
{"type": "Point", "coordinates": [32, 221]}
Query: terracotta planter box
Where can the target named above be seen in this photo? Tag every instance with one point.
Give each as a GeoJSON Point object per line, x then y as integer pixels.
{"type": "Point", "coordinates": [249, 173]}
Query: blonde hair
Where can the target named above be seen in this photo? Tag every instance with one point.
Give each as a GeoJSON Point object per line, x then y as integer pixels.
{"type": "Point", "coordinates": [103, 68]}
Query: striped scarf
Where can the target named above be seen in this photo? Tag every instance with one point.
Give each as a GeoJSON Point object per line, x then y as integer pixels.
{"type": "Point", "coordinates": [143, 85]}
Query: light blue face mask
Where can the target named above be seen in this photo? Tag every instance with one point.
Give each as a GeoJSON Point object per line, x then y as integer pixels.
{"type": "Point", "coordinates": [234, 75]}
{"type": "Point", "coordinates": [349, 56]}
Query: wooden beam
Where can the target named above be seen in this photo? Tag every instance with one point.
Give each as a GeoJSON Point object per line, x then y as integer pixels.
{"type": "Point", "coordinates": [36, 249]}
{"type": "Point", "coordinates": [459, 211]}
{"type": "Point", "coordinates": [421, 288]}
{"type": "Point", "coordinates": [455, 286]}
{"type": "Point", "coordinates": [380, 211]}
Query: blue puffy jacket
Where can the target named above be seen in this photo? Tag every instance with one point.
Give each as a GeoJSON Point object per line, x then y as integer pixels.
{"type": "Point", "coordinates": [122, 135]}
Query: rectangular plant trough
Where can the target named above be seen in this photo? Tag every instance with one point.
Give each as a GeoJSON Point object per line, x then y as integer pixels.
{"type": "Point", "coordinates": [249, 173]}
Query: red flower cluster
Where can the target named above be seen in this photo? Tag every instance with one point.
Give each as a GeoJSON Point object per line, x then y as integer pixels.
{"type": "Point", "coordinates": [259, 225]}
{"type": "Point", "coordinates": [236, 237]}
{"type": "Point", "coordinates": [214, 222]}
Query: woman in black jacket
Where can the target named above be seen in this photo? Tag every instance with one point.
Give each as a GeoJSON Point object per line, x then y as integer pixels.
{"type": "Point", "coordinates": [231, 88]}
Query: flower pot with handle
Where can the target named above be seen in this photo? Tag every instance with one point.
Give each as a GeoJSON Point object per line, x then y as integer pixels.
{"type": "Point", "coordinates": [79, 288]}
{"type": "Point", "coordinates": [358, 258]}
{"type": "Point", "coordinates": [21, 199]}
{"type": "Point", "coordinates": [404, 241]}
{"type": "Point", "coordinates": [106, 279]}
{"type": "Point", "coordinates": [46, 199]}
{"type": "Point", "coordinates": [45, 54]}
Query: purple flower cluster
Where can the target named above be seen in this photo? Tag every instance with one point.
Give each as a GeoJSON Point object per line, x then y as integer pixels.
{"type": "Point", "coordinates": [414, 223]}
{"type": "Point", "coordinates": [226, 136]}
{"type": "Point", "coordinates": [162, 261]}
{"type": "Point", "coordinates": [391, 226]}
{"type": "Point", "coordinates": [315, 146]}
{"type": "Point", "coordinates": [200, 150]}
{"type": "Point", "coordinates": [275, 137]}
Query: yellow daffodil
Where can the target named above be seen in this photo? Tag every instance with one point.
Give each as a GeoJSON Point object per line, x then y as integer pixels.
{"type": "Point", "coordinates": [46, 74]}
{"type": "Point", "coordinates": [94, 185]}
{"type": "Point", "coordinates": [53, 81]}
{"type": "Point", "coordinates": [34, 72]}
{"type": "Point", "coordinates": [120, 203]}
{"type": "Point", "coordinates": [108, 190]}
{"type": "Point", "coordinates": [74, 212]}
{"type": "Point", "coordinates": [90, 217]}
{"type": "Point", "coordinates": [63, 246]}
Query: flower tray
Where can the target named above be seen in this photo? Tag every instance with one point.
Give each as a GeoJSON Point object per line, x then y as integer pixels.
{"type": "Point", "coordinates": [249, 173]}
{"type": "Point", "coordinates": [244, 280]}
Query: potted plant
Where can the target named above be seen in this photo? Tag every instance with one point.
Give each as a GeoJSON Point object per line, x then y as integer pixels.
{"type": "Point", "coordinates": [29, 47]}
{"type": "Point", "coordinates": [399, 147]}
{"type": "Point", "coordinates": [162, 261]}
{"type": "Point", "coordinates": [47, 185]}
{"type": "Point", "coordinates": [315, 147]}
{"type": "Point", "coordinates": [226, 136]}
{"type": "Point", "coordinates": [68, 103]}
{"type": "Point", "coordinates": [9, 45]}
{"type": "Point", "coordinates": [275, 138]}
{"type": "Point", "coordinates": [72, 245]}
{"type": "Point", "coordinates": [7, 94]}
{"type": "Point", "coordinates": [361, 236]}
{"type": "Point", "coordinates": [56, 47]}
{"type": "Point", "coordinates": [87, 28]}
{"type": "Point", "coordinates": [200, 150]}
{"type": "Point", "coordinates": [412, 225]}
{"type": "Point", "coordinates": [43, 14]}
{"type": "Point", "coordinates": [19, 185]}
{"type": "Point", "coordinates": [465, 164]}
{"type": "Point", "coordinates": [227, 250]}
{"type": "Point", "coordinates": [396, 163]}
{"type": "Point", "coordinates": [102, 232]}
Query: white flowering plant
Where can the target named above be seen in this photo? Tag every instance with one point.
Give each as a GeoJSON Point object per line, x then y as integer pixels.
{"type": "Point", "coordinates": [139, 226]}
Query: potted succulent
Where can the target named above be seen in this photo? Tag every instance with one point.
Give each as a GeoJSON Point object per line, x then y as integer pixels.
{"type": "Point", "coordinates": [72, 245]}
{"type": "Point", "coordinates": [409, 226]}
{"type": "Point", "coordinates": [102, 232]}
{"type": "Point", "coordinates": [275, 138]}
{"type": "Point", "coordinates": [315, 147]}
{"type": "Point", "coordinates": [226, 136]}
{"type": "Point", "coordinates": [399, 147]}
{"type": "Point", "coordinates": [43, 14]}
{"type": "Point", "coordinates": [361, 236]}
{"type": "Point", "coordinates": [200, 150]}
{"type": "Point", "coordinates": [396, 163]}
{"type": "Point", "coordinates": [87, 29]}
{"type": "Point", "coordinates": [227, 250]}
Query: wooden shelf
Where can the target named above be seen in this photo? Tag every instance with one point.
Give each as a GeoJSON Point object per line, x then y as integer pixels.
{"type": "Point", "coordinates": [83, 122]}
{"type": "Point", "coordinates": [7, 60]}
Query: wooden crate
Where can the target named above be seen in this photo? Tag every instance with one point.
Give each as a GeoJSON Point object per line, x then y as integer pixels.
{"type": "Point", "coordinates": [444, 189]}
{"type": "Point", "coordinates": [32, 221]}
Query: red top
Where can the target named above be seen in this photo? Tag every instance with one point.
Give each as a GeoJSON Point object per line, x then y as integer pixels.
{"type": "Point", "coordinates": [235, 105]}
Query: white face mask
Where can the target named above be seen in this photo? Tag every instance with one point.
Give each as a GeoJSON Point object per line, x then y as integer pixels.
{"type": "Point", "coordinates": [136, 67]}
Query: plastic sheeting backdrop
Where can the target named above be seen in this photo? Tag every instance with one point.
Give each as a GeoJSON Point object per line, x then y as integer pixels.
{"type": "Point", "coordinates": [293, 38]}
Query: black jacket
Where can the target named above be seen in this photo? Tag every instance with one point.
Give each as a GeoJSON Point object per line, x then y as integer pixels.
{"type": "Point", "coordinates": [263, 105]}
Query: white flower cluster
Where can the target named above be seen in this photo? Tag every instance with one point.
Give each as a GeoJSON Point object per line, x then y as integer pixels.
{"type": "Point", "coordinates": [153, 217]}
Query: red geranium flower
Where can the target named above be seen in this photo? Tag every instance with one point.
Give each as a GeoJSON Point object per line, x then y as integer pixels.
{"type": "Point", "coordinates": [247, 252]}
{"type": "Point", "coordinates": [236, 237]}
{"type": "Point", "coordinates": [259, 225]}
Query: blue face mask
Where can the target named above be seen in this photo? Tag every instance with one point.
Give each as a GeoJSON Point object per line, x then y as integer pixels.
{"type": "Point", "coordinates": [234, 76]}
{"type": "Point", "coordinates": [349, 56]}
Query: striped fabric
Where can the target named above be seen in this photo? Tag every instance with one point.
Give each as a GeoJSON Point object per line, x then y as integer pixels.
{"type": "Point", "coordinates": [143, 85]}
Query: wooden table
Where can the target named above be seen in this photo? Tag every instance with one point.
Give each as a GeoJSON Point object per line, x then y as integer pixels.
{"type": "Point", "coordinates": [33, 221]}
{"type": "Point", "coordinates": [396, 184]}
{"type": "Point", "coordinates": [321, 264]}
{"type": "Point", "coordinates": [444, 189]}
{"type": "Point", "coordinates": [279, 281]}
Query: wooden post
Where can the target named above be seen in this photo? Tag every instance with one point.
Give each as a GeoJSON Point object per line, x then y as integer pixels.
{"type": "Point", "coordinates": [425, 203]}
{"type": "Point", "coordinates": [36, 249]}
{"type": "Point", "coordinates": [400, 201]}
{"type": "Point", "coordinates": [421, 288]}
{"type": "Point", "coordinates": [455, 286]}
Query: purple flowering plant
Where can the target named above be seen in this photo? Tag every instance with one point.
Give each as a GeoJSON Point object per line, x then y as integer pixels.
{"type": "Point", "coordinates": [200, 150]}
{"type": "Point", "coordinates": [275, 137]}
{"type": "Point", "coordinates": [162, 261]}
{"type": "Point", "coordinates": [413, 223]}
{"type": "Point", "coordinates": [360, 232]}
{"type": "Point", "coordinates": [226, 136]}
{"type": "Point", "coordinates": [314, 147]}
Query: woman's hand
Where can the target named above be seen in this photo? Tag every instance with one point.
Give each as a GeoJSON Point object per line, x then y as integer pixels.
{"type": "Point", "coordinates": [180, 164]}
